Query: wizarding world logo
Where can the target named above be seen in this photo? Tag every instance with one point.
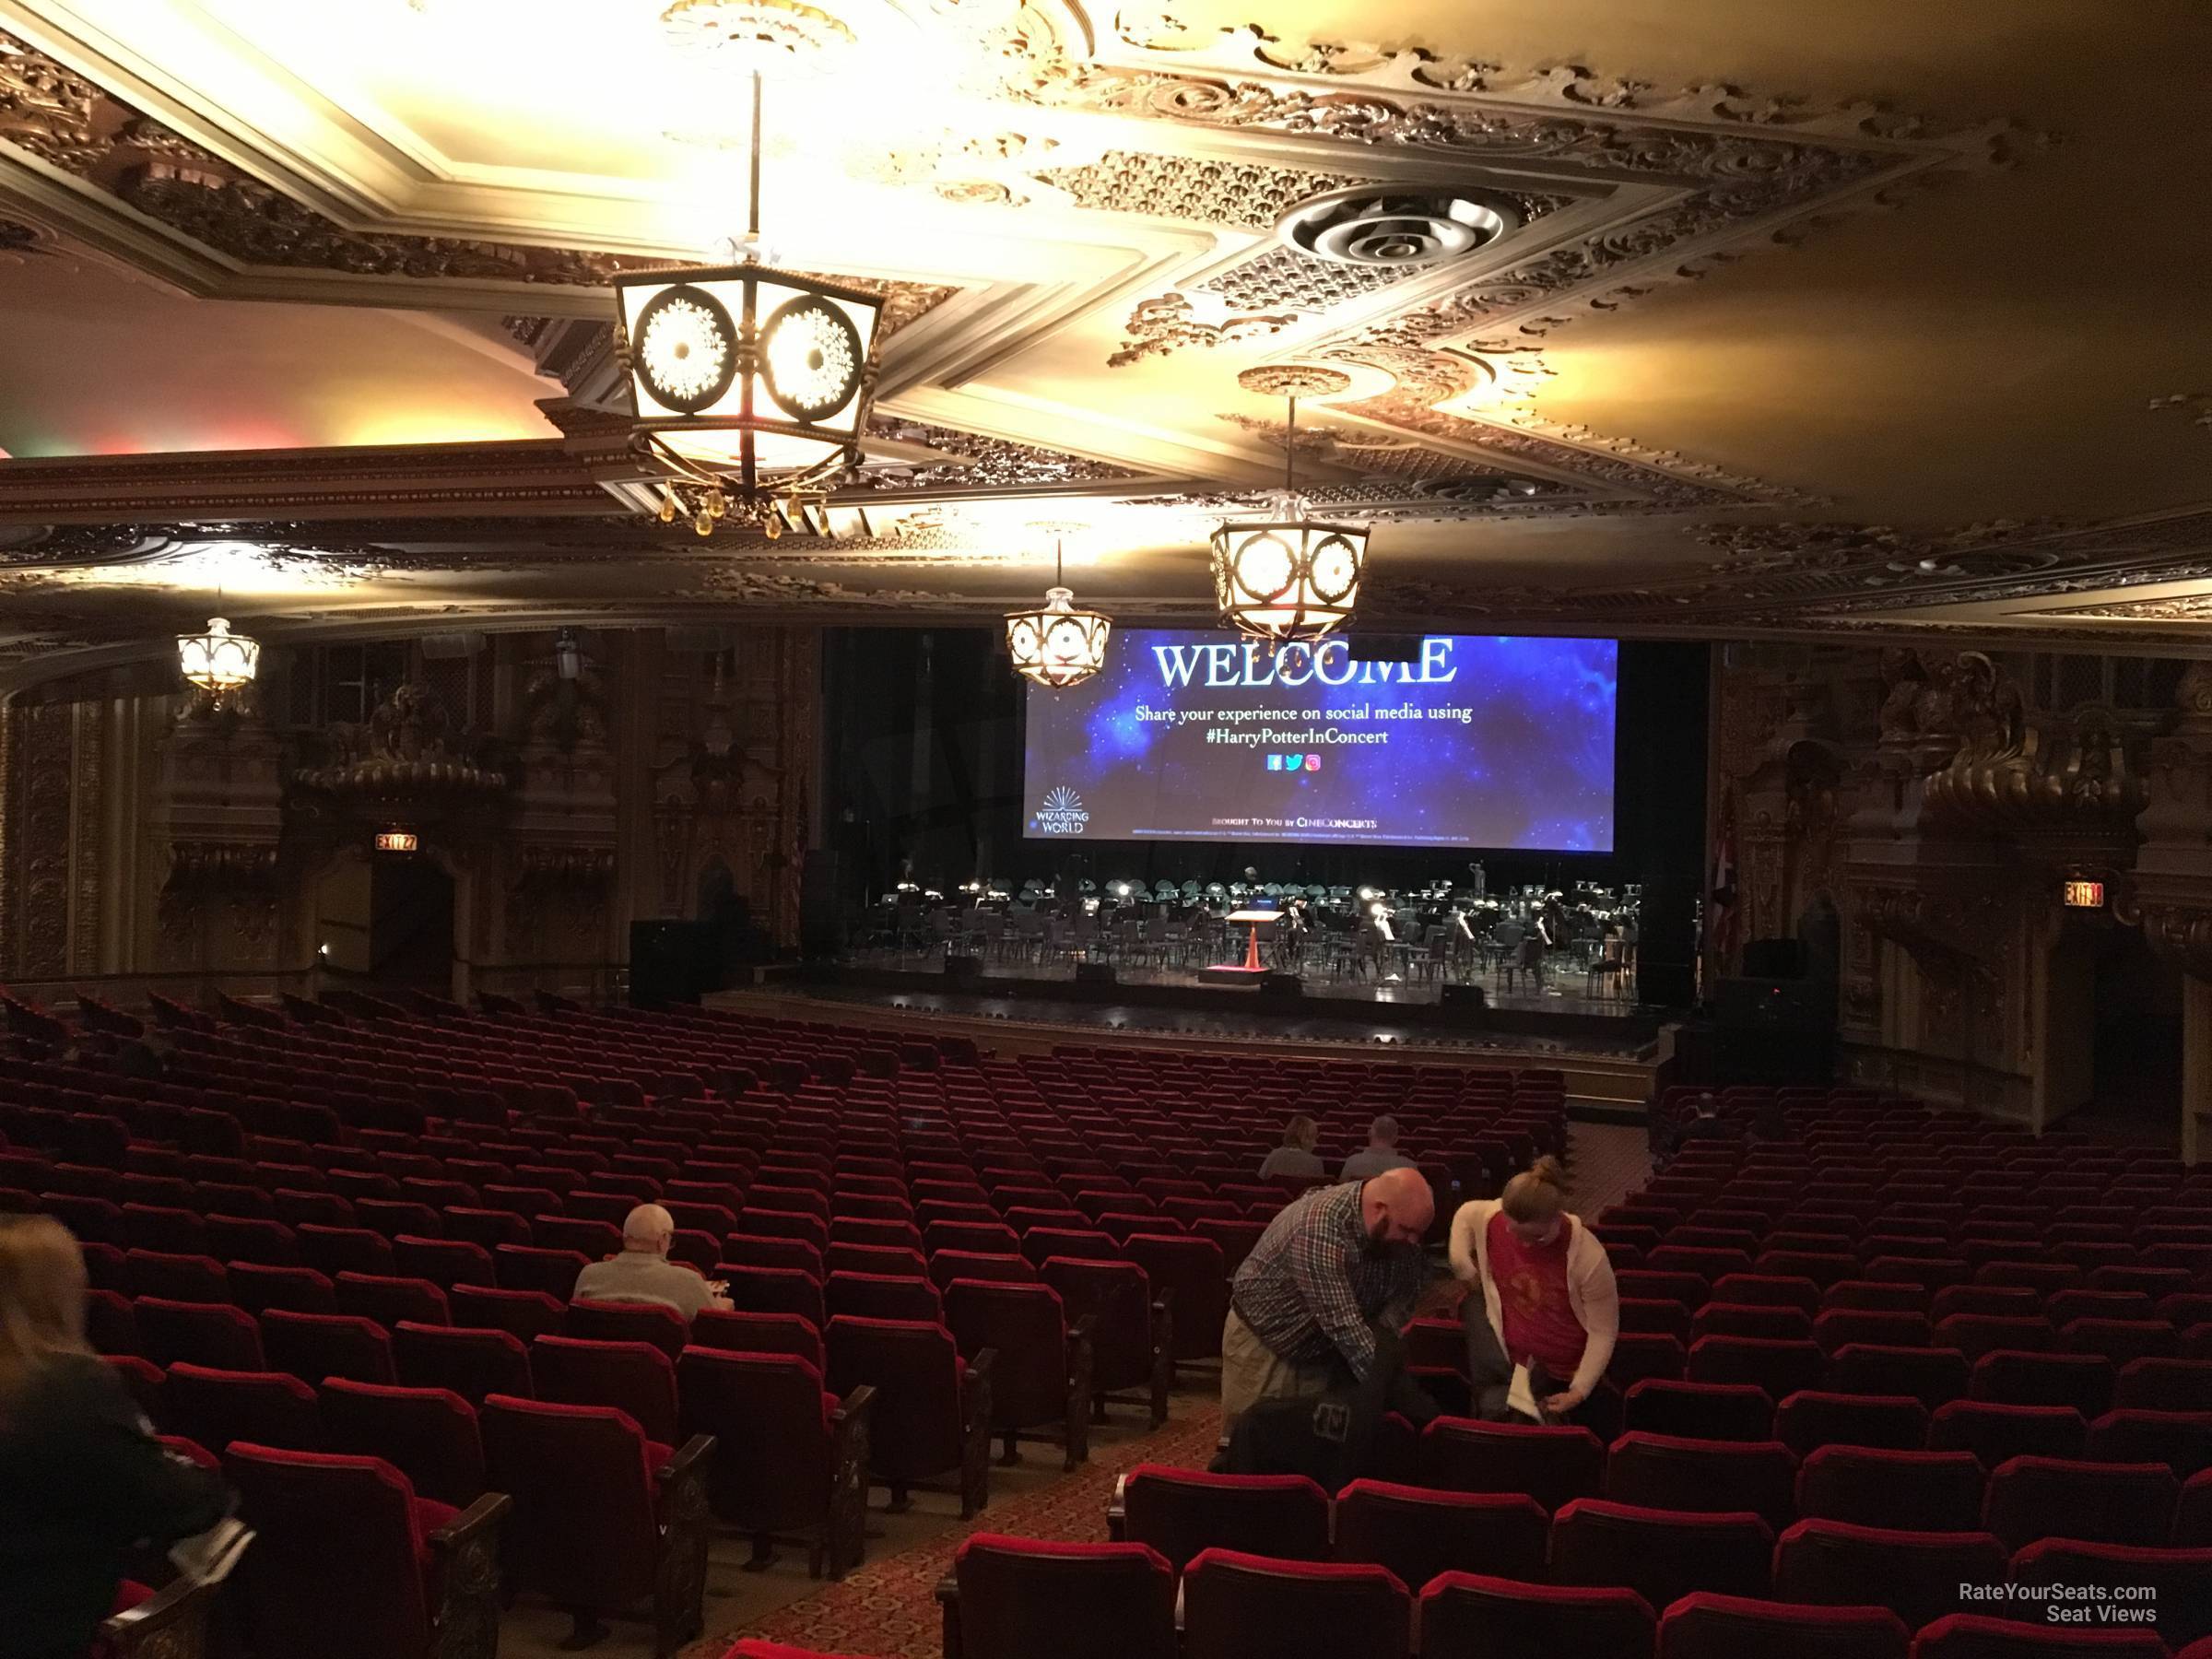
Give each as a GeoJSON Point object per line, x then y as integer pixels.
{"type": "Point", "coordinates": [1060, 813]}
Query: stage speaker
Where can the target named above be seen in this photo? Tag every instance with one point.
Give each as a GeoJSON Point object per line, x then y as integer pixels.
{"type": "Point", "coordinates": [964, 970]}
{"type": "Point", "coordinates": [1465, 999]}
{"type": "Point", "coordinates": [1773, 960]}
{"type": "Point", "coordinates": [822, 932]}
{"type": "Point", "coordinates": [673, 962]}
{"type": "Point", "coordinates": [1666, 942]}
{"type": "Point", "coordinates": [1094, 973]}
{"type": "Point", "coordinates": [1281, 984]}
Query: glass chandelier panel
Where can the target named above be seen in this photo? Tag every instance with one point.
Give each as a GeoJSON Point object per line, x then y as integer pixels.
{"type": "Point", "coordinates": [1057, 646]}
{"type": "Point", "coordinates": [218, 660]}
{"type": "Point", "coordinates": [1288, 578]}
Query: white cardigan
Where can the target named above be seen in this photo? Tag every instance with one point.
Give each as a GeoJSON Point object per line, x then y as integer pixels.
{"type": "Point", "coordinates": [1590, 1289]}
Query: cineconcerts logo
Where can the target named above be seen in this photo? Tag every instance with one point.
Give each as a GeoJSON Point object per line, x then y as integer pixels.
{"type": "Point", "coordinates": [1060, 813]}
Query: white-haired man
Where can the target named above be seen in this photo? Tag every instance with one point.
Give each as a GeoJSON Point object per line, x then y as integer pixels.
{"type": "Point", "coordinates": [643, 1272]}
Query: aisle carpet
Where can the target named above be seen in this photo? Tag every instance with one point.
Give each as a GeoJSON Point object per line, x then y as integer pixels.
{"type": "Point", "coordinates": [887, 1609]}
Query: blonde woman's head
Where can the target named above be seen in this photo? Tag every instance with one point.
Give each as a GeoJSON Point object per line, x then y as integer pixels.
{"type": "Point", "coordinates": [41, 1297]}
{"type": "Point", "coordinates": [1535, 1200]}
{"type": "Point", "coordinates": [1301, 1132]}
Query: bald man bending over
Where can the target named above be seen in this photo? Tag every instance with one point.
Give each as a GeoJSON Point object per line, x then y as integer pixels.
{"type": "Point", "coordinates": [643, 1272]}
{"type": "Point", "coordinates": [1333, 1266]}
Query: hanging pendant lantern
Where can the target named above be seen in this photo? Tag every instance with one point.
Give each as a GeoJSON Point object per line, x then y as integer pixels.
{"type": "Point", "coordinates": [1288, 576]}
{"type": "Point", "coordinates": [218, 660]}
{"type": "Point", "coordinates": [1057, 646]}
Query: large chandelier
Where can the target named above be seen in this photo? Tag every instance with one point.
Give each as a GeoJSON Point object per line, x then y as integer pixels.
{"type": "Point", "coordinates": [1288, 576]}
{"type": "Point", "coordinates": [1057, 646]}
{"type": "Point", "coordinates": [218, 660]}
{"type": "Point", "coordinates": [749, 384]}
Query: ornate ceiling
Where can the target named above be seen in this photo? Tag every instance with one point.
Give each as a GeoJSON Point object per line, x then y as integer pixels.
{"type": "Point", "coordinates": [1756, 324]}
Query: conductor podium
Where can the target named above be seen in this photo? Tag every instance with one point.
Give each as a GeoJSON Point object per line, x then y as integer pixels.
{"type": "Point", "coordinates": [1251, 970]}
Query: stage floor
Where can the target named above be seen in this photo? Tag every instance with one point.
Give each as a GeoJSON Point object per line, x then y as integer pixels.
{"type": "Point", "coordinates": [1562, 994]}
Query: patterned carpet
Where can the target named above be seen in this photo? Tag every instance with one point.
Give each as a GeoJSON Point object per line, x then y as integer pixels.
{"type": "Point", "coordinates": [887, 1609]}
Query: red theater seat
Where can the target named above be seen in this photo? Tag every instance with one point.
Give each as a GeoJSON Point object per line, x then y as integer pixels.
{"type": "Point", "coordinates": [1182, 1511]}
{"type": "Point", "coordinates": [1812, 1419]}
{"type": "Point", "coordinates": [1042, 1379]}
{"type": "Point", "coordinates": [428, 1434]}
{"type": "Point", "coordinates": [633, 1377]}
{"type": "Point", "coordinates": [2035, 1498]}
{"type": "Point", "coordinates": [1551, 1465]}
{"type": "Point", "coordinates": [2180, 1581]}
{"type": "Point", "coordinates": [1662, 1555]}
{"type": "Point", "coordinates": [1977, 1636]}
{"type": "Point", "coordinates": [791, 1459]}
{"type": "Point", "coordinates": [209, 1334]}
{"type": "Point", "coordinates": [654, 1323]}
{"type": "Point", "coordinates": [349, 1563]}
{"type": "Point", "coordinates": [1250, 1606]}
{"type": "Point", "coordinates": [1473, 1616]}
{"type": "Point", "coordinates": [1703, 1625]}
{"type": "Point", "coordinates": [1663, 1471]}
{"type": "Point", "coordinates": [758, 1333]}
{"type": "Point", "coordinates": [1735, 1411]}
{"type": "Point", "coordinates": [314, 1346]}
{"type": "Point", "coordinates": [1916, 1575]}
{"type": "Point", "coordinates": [1013, 1598]}
{"type": "Point", "coordinates": [1130, 1332]}
{"type": "Point", "coordinates": [603, 1519]}
{"type": "Point", "coordinates": [932, 1409]}
{"type": "Point", "coordinates": [214, 1408]}
{"type": "Point", "coordinates": [1417, 1533]}
{"type": "Point", "coordinates": [1918, 1491]}
{"type": "Point", "coordinates": [469, 1361]}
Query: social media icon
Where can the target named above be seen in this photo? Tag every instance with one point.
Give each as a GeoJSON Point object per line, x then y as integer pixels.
{"type": "Point", "coordinates": [1292, 762]}
{"type": "Point", "coordinates": [1275, 764]}
{"type": "Point", "coordinates": [1312, 762]}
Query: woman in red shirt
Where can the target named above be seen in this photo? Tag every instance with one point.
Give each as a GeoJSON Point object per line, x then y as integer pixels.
{"type": "Point", "coordinates": [1540, 1294]}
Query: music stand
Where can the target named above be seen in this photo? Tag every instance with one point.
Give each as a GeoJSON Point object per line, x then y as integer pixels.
{"type": "Point", "coordinates": [1250, 967]}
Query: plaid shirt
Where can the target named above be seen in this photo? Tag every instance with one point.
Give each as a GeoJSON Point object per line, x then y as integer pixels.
{"type": "Point", "coordinates": [1309, 1287]}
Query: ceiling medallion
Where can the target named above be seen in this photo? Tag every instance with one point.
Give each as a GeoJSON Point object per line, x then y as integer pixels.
{"type": "Point", "coordinates": [1288, 577]}
{"type": "Point", "coordinates": [1404, 229]}
{"type": "Point", "coordinates": [750, 385]}
{"type": "Point", "coordinates": [756, 35]}
{"type": "Point", "coordinates": [1294, 380]}
{"type": "Point", "coordinates": [1057, 646]}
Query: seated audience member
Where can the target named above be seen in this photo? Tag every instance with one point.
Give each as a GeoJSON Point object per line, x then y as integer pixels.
{"type": "Point", "coordinates": [84, 1484]}
{"type": "Point", "coordinates": [1541, 1295]}
{"type": "Point", "coordinates": [1704, 1123]}
{"type": "Point", "coordinates": [643, 1272]}
{"type": "Point", "coordinates": [1295, 1156]}
{"type": "Point", "coordinates": [1380, 1154]}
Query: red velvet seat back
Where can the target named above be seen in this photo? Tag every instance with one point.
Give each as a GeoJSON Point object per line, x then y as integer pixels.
{"type": "Point", "coordinates": [879, 1295]}
{"type": "Point", "coordinates": [314, 1346]}
{"type": "Point", "coordinates": [1978, 1636]}
{"type": "Point", "coordinates": [1918, 1491]}
{"type": "Point", "coordinates": [1915, 1575]}
{"type": "Point", "coordinates": [1248, 1607]}
{"type": "Point", "coordinates": [1665, 1471]}
{"type": "Point", "coordinates": [1029, 1327]}
{"type": "Point", "coordinates": [770, 1417]}
{"type": "Point", "coordinates": [1418, 1534]}
{"type": "Point", "coordinates": [1704, 1626]}
{"type": "Point", "coordinates": [388, 1299]}
{"type": "Point", "coordinates": [583, 1530]}
{"type": "Point", "coordinates": [1553, 1465]}
{"type": "Point", "coordinates": [633, 1377]}
{"type": "Point", "coordinates": [443, 1261]}
{"type": "Point", "coordinates": [1994, 1432]}
{"type": "Point", "coordinates": [1466, 1613]}
{"type": "Point", "coordinates": [1183, 1511]}
{"type": "Point", "coordinates": [1021, 1597]}
{"type": "Point", "coordinates": [527, 1268]}
{"type": "Point", "coordinates": [257, 1287]}
{"type": "Point", "coordinates": [916, 1374]}
{"type": "Point", "coordinates": [428, 1434]}
{"type": "Point", "coordinates": [525, 1313]}
{"type": "Point", "coordinates": [654, 1323]}
{"type": "Point", "coordinates": [2036, 1498]}
{"type": "Point", "coordinates": [775, 1290]}
{"type": "Point", "coordinates": [1117, 1299]}
{"type": "Point", "coordinates": [211, 1334]}
{"type": "Point", "coordinates": [1662, 1555]}
{"type": "Point", "coordinates": [337, 1569]}
{"type": "Point", "coordinates": [215, 1407]}
{"type": "Point", "coordinates": [471, 1362]}
{"type": "Point", "coordinates": [743, 1332]}
{"type": "Point", "coordinates": [1194, 1270]}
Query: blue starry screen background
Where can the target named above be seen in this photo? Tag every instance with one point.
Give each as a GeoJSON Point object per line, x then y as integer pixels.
{"type": "Point", "coordinates": [1515, 749]}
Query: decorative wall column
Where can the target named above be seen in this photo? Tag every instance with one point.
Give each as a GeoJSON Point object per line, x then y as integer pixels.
{"type": "Point", "coordinates": [217, 820]}
{"type": "Point", "coordinates": [2173, 888]}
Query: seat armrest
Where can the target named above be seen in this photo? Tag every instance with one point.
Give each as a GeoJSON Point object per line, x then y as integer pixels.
{"type": "Point", "coordinates": [1163, 1353]}
{"type": "Point", "coordinates": [949, 1598]}
{"type": "Point", "coordinates": [690, 1462]}
{"type": "Point", "coordinates": [1117, 1512]}
{"type": "Point", "coordinates": [975, 1433]}
{"type": "Point", "coordinates": [169, 1624]}
{"type": "Point", "coordinates": [680, 1579]}
{"type": "Point", "coordinates": [847, 1541]}
{"type": "Point", "coordinates": [465, 1580]}
{"type": "Point", "coordinates": [1078, 1422]}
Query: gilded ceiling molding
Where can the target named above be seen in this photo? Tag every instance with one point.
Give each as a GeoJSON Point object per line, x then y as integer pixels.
{"type": "Point", "coordinates": [2182, 608]}
{"type": "Point", "coordinates": [986, 462]}
{"type": "Point", "coordinates": [1169, 322]}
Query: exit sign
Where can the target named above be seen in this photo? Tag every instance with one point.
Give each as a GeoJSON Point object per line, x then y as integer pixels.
{"type": "Point", "coordinates": [2084, 895]}
{"type": "Point", "coordinates": [397, 840]}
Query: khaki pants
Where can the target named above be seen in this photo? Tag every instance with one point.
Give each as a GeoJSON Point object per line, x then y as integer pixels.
{"type": "Point", "coordinates": [1252, 1371]}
